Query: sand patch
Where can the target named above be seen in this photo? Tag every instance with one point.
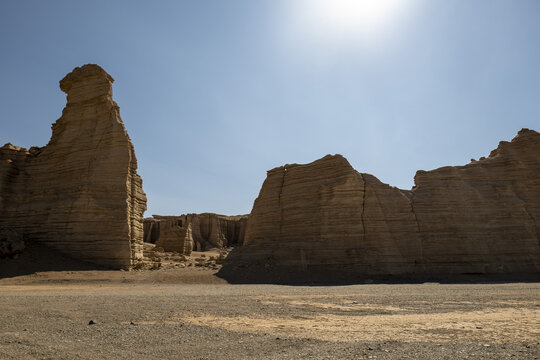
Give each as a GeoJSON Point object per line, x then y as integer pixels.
{"type": "Point", "coordinates": [489, 326]}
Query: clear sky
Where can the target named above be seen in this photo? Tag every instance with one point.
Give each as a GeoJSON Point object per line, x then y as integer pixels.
{"type": "Point", "coordinates": [214, 93]}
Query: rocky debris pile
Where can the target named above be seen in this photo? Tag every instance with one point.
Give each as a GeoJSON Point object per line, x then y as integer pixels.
{"type": "Point", "coordinates": [483, 217]}
{"type": "Point", "coordinates": [212, 262]}
{"type": "Point", "coordinates": [155, 257]}
{"type": "Point", "coordinates": [195, 232]}
{"type": "Point", "coordinates": [81, 193]}
{"type": "Point", "coordinates": [11, 243]}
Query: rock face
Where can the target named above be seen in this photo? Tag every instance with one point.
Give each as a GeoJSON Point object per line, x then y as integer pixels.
{"type": "Point", "coordinates": [171, 233]}
{"type": "Point", "coordinates": [11, 243]}
{"type": "Point", "coordinates": [198, 232]}
{"type": "Point", "coordinates": [80, 193]}
{"type": "Point", "coordinates": [483, 217]}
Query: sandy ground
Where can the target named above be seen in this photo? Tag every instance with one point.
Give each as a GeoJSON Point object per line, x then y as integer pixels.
{"type": "Point", "coordinates": [159, 314]}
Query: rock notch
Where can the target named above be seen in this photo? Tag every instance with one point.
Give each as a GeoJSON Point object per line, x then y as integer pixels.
{"type": "Point", "coordinates": [80, 193]}
{"type": "Point", "coordinates": [483, 217]}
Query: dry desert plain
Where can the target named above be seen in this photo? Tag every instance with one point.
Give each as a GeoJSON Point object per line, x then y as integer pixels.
{"type": "Point", "coordinates": [190, 313]}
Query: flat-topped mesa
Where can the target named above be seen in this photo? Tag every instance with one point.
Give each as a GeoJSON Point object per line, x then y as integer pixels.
{"type": "Point", "coordinates": [483, 217]}
{"type": "Point", "coordinates": [81, 193]}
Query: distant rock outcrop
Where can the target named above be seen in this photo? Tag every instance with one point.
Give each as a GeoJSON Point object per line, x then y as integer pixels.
{"type": "Point", "coordinates": [80, 193]}
{"type": "Point", "coordinates": [200, 232]}
{"type": "Point", "coordinates": [483, 217]}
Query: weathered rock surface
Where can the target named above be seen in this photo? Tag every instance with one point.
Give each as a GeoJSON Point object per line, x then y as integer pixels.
{"type": "Point", "coordinates": [80, 193]}
{"type": "Point", "coordinates": [11, 242]}
{"type": "Point", "coordinates": [171, 233]}
{"type": "Point", "coordinates": [195, 232]}
{"type": "Point", "coordinates": [483, 217]}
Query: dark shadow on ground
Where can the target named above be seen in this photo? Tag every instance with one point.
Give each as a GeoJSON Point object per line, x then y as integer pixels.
{"type": "Point", "coordinates": [39, 258]}
{"type": "Point", "coordinates": [238, 271]}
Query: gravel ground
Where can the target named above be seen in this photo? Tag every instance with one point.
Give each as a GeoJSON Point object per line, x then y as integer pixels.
{"type": "Point", "coordinates": [47, 317]}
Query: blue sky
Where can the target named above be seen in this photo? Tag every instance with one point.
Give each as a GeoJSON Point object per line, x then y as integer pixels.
{"type": "Point", "coordinates": [214, 93]}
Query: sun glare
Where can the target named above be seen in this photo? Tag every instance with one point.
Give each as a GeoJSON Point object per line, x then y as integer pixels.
{"type": "Point", "coordinates": [350, 17]}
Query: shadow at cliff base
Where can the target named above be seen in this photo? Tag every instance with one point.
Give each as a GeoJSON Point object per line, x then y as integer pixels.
{"type": "Point", "coordinates": [40, 258]}
{"type": "Point", "coordinates": [237, 271]}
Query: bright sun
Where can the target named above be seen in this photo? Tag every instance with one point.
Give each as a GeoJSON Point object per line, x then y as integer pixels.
{"type": "Point", "coordinates": [350, 17]}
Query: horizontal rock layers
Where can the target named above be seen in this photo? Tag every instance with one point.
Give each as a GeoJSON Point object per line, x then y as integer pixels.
{"type": "Point", "coordinates": [197, 232]}
{"type": "Point", "coordinates": [483, 217]}
{"type": "Point", "coordinates": [80, 193]}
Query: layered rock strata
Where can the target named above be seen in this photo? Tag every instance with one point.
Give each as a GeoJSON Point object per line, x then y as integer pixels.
{"type": "Point", "coordinates": [80, 193]}
{"type": "Point", "coordinates": [483, 217]}
{"type": "Point", "coordinates": [197, 232]}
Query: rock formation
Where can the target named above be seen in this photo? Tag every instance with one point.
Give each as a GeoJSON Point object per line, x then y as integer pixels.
{"type": "Point", "coordinates": [198, 232]}
{"type": "Point", "coordinates": [483, 217]}
{"type": "Point", "coordinates": [80, 193]}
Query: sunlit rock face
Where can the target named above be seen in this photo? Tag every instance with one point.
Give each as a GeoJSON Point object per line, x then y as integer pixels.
{"type": "Point", "coordinates": [195, 232]}
{"type": "Point", "coordinates": [80, 193]}
{"type": "Point", "coordinates": [483, 217]}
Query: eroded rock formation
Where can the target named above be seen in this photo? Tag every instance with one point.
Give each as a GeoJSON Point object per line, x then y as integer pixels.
{"type": "Point", "coordinates": [198, 232]}
{"type": "Point", "coordinates": [483, 217]}
{"type": "Point", "coordinates": [80, 193]}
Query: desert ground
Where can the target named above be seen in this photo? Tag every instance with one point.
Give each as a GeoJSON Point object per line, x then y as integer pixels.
{"type": "Point", "coordinates": [190, 313]}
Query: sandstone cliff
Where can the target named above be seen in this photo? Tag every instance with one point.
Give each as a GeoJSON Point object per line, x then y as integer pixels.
{"type": "Point", "coordinates": [483, 217]}
{"type": "Point", "coordinates": [198, 232]}
{"type": "Point", "coordinates": [80, 193]}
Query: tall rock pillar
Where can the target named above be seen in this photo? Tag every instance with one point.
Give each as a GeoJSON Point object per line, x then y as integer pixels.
{"type": "Point", "coordinates": [81, 193]}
